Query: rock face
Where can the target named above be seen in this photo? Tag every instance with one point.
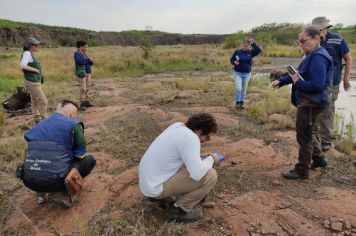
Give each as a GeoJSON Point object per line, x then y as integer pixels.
{"type": "Point", "coordinates": [340, 226]}
{"type": "Point", "coordinates": [60, 36]}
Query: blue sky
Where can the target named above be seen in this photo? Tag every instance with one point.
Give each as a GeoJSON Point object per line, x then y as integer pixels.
{"type": "Point", "coordinates": [177, 16]}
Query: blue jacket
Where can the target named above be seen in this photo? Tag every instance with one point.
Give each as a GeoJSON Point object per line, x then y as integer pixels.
{"type": "Point", "coordinates": [56, 128]}
{"type": "Point", "coordinates": [245, 58]}
{"type": "Point", "coordinates": [337, 48]}
{"type": "Point", "coordinates": [317, 72]}
{"type": "Point", "coordinates": [81, 59]}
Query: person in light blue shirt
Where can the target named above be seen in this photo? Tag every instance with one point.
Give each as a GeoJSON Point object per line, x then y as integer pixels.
{"type": "Point", "coordinates": [241, 59]}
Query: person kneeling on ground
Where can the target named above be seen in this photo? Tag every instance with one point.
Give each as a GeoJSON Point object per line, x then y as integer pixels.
{"type": "Point", "coordinates": [55, 145]}
{"type": "Point", "coordinates": [173, 167]}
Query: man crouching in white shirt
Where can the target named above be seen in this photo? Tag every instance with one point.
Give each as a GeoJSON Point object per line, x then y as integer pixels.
{"type": "Point", "coordinates": [173, 167]}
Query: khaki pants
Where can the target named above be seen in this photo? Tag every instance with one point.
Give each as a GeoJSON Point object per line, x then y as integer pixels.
{"type": "Point", "coordinates": [326, 118]}
{"type": "Point", "coordinates": [84, 87]}
{"type": "Point", "coordinates": [38, 100]}
{"type": "Point", "coordinates": [188, 192]}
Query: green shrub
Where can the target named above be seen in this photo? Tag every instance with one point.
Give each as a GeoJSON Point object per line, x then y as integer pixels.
{"type": "Point", "coordinates": [92, 43]}
{"type": "Point", "coordinates": [7, 57]}
{"type": "Point", "coordinates": [8, 85]}
{"type": "Point", "coordinates": [232, 41]}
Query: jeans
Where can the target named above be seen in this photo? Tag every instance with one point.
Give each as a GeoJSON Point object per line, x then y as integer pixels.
{"type": "Point", "coordinates": [241, 83]}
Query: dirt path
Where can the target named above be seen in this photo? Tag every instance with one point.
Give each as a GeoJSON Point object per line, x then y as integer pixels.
{"type": "Point", "coordinates": [251, 198]}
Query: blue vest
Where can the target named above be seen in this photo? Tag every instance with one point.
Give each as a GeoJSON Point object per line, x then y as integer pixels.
{"type": "Point", "coordinates": [56, 128]}
{"type": "Point", "coordinates": [333, 44]}
{"type": "Point", "coordinates": [321, 98]}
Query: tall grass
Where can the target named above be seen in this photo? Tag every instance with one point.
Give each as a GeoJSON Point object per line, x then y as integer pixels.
{"type": "Point", "coordinates": [271, 101]}
{"type": "Point", "coordinates": [346, 133]}
{"type": "Point", "coordinates": [117, 61]}
{"type": "Point", "coordinates": [282, 51]}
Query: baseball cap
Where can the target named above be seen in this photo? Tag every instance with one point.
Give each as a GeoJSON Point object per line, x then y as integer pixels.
{"type": "Point", "coordinates": [321, 22]}
{"type": "Point", "coordinates": [31, 41]}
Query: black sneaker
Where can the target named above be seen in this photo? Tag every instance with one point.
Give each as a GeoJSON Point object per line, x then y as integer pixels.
{"type": "Point", "coordinates": [82, 106]}
{"type": "Point", "coordinates": [325, 146]}
{"type": "Point", "coordinates": [293, 174]}
{"type": "Point", "coordinates": [237, 104]}
{"type": "Point", "coordinates": [319, 163]}
{"type": "Point", "coordinates": [242, 105]}
{"type": "Point", "coordinates": [88, 104]}
{"type": "Point", "coordinates": [176, 214]}
{"type": "Point", "coordinates": [162, 203]}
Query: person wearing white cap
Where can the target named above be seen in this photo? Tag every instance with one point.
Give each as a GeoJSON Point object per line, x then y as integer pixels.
{"type": "Point", "coordinates": [338, 49]}
{"type": "Point", "coordinates": [31, 68]}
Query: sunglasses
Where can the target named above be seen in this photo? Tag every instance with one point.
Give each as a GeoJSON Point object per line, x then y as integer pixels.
{"type": "Point", "coordinates": [303, 41]}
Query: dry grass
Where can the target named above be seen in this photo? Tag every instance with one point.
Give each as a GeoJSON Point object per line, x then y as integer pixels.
{"type": "Point", "coordinates": [144, 218]}
{"type": "Point", "coordinates": [270, 101]}
{"type": "Point", "coordinates": [282, 51]}
{"type": "Point", "coordinates": [117, 61]}
{"type": "Point", "coordinates": [11, 155]}
{"type": "Point", "coordinates": [128, 136]}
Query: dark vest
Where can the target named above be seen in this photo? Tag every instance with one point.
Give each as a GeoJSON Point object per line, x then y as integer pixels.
{"type": "Point", "coordinates": [321, 98]}
{"type": "Point", "coordinates": [33, 76]}
{"type": "Point", "coordinates": [56, 128]}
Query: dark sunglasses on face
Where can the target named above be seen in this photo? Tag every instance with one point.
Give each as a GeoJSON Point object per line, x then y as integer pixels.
{"type": "Point", "coordinates": [303, 41]}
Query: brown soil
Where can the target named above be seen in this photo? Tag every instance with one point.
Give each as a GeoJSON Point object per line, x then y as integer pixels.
{"type": "Point", "coordinates": [251, 197]}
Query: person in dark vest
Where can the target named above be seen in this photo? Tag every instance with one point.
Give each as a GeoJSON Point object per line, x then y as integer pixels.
{"type": "Point", "coordinates": [83, 65]}
{"type": "Point", "coordinates": [55, 145]}
{"type": "Point", "coordinates": [31, 68]}
{"type": "Point", "coordinates": [338, 49]}
{"type": "Point", "coordinates": [311, 94]}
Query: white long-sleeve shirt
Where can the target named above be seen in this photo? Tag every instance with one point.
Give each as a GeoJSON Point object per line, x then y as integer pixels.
{"type": "Point", "coordinates": [173, 148]}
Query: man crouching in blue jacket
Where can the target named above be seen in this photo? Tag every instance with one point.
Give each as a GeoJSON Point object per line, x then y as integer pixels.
{"type": "Point", "coordinates": [55, 145]}
{"type": "Point", "coordinates": [311, 94]}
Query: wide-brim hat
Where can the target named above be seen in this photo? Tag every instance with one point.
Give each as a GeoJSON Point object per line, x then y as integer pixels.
{"type": "Point", "coordinates": [31, 41]}
{"type": "Point", "coordinates": [321, 22]}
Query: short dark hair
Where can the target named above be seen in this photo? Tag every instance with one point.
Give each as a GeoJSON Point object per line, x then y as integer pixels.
{"type": "Point", "coordinates": [312, 31]}
{"type": "Point", "coordinates": [202, 121]}
{"type": "Point", "coordinates": [67, 101]}
{"type": "Point", "coordinates": [81, 43]}
{"type": "Point", "coordinates": [26, 48]}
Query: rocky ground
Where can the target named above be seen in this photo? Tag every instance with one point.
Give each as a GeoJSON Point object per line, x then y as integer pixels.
{"type": "Point", "coordinates": [251, 197]}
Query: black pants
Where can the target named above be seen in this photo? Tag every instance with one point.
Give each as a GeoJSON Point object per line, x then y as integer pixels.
{"type": "Point", "coordinates": [307, 137]}
{"type": "Point", "coordinates": [86, 165]}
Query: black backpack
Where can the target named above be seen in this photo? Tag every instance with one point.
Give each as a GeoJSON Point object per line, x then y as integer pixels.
{"type": "Point", "coordinates": [45, 166]}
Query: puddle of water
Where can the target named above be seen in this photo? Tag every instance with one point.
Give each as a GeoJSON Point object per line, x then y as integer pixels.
{"type": "Point", "coordinates": [346, 102]}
